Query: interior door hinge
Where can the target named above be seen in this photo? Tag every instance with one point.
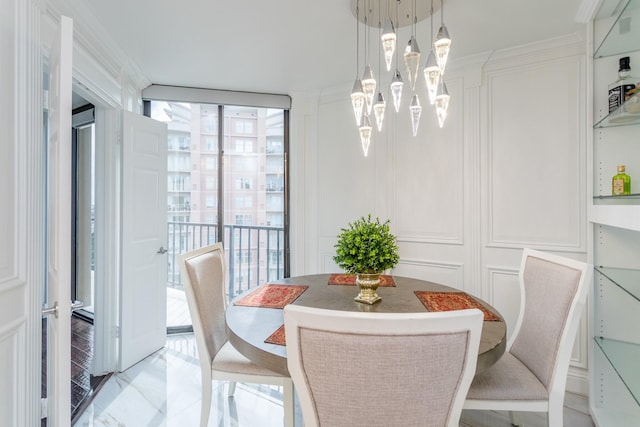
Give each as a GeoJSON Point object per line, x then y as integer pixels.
{"type": "Point", "coordinates": [116, 331]}
{"type": "Point", "coordinates": [45, 100]}
{"type": "Point", "coordinates": [43, 407]}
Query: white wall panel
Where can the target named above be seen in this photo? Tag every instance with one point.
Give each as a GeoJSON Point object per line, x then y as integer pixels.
{"type": "Point", "coordinates": [429, 183]}
{"type": "Point", "coordinates": [536, 156]}
{"type": "Point", "coordinates": [11, 357]}
{"type": "Point", "coordinates": [21, 214]}
{"type": "Point", "coordinates": [7, 160]}
{"type": "Point", "coordinates": [503, 293]}
{"type": "Point", "coordinates": [450, 274]}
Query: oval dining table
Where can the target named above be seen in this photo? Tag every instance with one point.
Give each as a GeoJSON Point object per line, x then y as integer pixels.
{"type": "Point", "coordinates": [249, 326]}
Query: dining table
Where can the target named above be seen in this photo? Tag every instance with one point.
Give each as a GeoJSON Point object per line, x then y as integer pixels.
{"type": "Point", "coordinates": [255, 321]}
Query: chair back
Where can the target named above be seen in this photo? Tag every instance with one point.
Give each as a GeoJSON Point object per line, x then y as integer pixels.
{"type": "Point", "coordinates": [553, 295]}
{"type": "Point", "coordinates": [381, 369]}
{"type": "Point", "coordinates": [204, 275]}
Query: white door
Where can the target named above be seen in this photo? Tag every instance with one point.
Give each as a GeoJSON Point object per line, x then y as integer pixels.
{"type": "Point", "coordinates": [59, 229]}
{"type": "Point", "coordinates": [143, 314]}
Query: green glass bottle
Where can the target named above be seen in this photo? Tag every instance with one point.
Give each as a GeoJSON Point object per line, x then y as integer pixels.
{"type": "Point", "coordinates": [621, 183]}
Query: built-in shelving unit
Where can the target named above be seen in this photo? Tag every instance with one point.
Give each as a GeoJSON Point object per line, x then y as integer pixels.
{"type": "Point", "coordinates": [616, 136]}
{"type": "Point", "coordinates": [614, 366]}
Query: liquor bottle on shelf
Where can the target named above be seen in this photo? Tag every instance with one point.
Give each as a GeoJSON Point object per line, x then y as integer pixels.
{"type": "Point", "coordinates": [621, 183]}
{"type": "Point", "coordinates": [618, 89]}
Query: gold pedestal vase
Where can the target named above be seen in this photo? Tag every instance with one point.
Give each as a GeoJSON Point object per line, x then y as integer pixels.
{"type": "Point", "coordinates": [368, 284]}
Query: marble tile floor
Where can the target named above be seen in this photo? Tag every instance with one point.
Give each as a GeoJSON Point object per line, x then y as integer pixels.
{"type": "Point", "coordinates": [164, 390]}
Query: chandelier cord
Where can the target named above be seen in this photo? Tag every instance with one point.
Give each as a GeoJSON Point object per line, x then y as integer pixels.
{"type": "Point", "coordinates": [398, 30]}
{"type": "Point", "coordinates": [431, 29]}
{"type": "Point", "coordinates": [415, 19]}
{"type": "Point", "coordinates": [379, 36]}
{"type": "Point", "coordinates": [357, 36]}
{"type": "Point", "coordinates": [366, 34]}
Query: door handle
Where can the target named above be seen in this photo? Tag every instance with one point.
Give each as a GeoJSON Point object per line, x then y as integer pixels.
{"type": "Point", "coordinates": [50, 310]}
{"type": "Point", "coordinates": [162, 250]}
{"type": "Point", "coordinates": [75, 305]}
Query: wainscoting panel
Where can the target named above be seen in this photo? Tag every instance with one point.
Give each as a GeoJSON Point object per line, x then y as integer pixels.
{"type": "Point", "coordinates": [429, 182]}
{"type": "Point", "coordinates": [503, 293]}
{"type": "Point", "coordinates": [449, 274]}
{"type": "Point", "coordinates": [536, 155]}
{"type": "Point", "coordinates": [12, 357]}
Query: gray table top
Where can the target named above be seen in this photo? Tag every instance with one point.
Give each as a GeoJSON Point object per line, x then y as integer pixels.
{"type": "Point", "coordinates": [248, 327]}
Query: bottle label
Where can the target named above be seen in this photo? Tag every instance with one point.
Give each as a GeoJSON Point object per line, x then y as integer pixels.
{"type": "Point", "coordinates": [617, 95]}
{"type": "Point", "coordinates": [618, 186]}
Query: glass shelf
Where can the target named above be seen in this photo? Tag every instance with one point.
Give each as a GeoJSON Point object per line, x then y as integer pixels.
{"type": "Point", "coordinates": [619, 196]}
{"type": "Point", "coordinates": [624, 358]}
{"type": "Point", "coordinates": [626, 279]}
{"type": "Point", "coordinates": [620, 116]}
{"type": "Point", "coordinates": [622, 36]}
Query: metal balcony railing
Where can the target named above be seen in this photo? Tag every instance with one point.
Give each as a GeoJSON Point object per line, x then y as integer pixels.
{"type": "Point", "coordinates": [255, 254]}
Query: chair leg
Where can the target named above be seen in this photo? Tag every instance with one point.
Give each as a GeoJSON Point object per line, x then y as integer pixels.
{"type": "Point", "coordinates": [556, 414]}
{"type": "Point", "coordinates": [205, 407]}
{"type": "Point", "coordinates": [513, 417]}
{"type": "Point", "coordinates": [232, 388]}
{"type": "Point", "coordinates": [288, 403]}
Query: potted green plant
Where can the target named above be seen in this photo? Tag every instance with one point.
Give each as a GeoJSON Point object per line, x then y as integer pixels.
{"type": "Point", "coordinates": [367, 248]}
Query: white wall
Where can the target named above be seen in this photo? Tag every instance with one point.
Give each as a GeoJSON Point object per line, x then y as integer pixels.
{"type": "Point", "coordinates": [21, 232]}
{"type": "Point", "coordinates": [507, 171]}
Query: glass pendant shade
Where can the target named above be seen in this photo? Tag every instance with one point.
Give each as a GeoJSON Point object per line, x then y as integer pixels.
{"type": "Point", "coordinates": [378, 109]}
{"type": "Point", "coordinates": [442, 45]}
{"type": "Point", "coordinates": [396, 89]}
{"type": "Point", "coordinates": [412, 61]}
{"type": "Point", "coordinates": [442, 103]}
{"type": "Point", "coordinates": [357, 100]}
{"type": "Point", "coordinates": [365, 133]}
{"type": "Point", "coordinates": [432, 76]}
{"type": "Point", "coordinates": [368, 87]}
{"type": "Point", "coordinates": [388, 38]}
{"type": "Point", "coordinates": [416, 111]}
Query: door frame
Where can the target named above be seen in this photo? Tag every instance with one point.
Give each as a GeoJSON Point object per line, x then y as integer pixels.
{"type": "Point", "coordinates": [107, 200]}
{"type": "Point", "coordinates": [107, 254]}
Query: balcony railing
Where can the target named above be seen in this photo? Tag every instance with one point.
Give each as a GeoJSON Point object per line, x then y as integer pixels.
{"type": "Point", "coordinates": [255, 254]}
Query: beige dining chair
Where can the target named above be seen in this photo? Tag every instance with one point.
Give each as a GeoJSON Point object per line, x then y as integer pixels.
{"type": "Point", "coordinates": [532, 374]}
{"type": "Point", "coordinates": [204, 275]}
{"type": "Point", "coordinates": [358, 369]}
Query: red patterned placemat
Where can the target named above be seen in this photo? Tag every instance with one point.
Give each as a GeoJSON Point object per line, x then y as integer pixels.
{"type": "Point", "coordinates": [277, 337]}
{"type": "Point", "coordinates": [447, 301]}
{"type": "Point", "coordinates": [350, 280]}
{"type": "Point", "coordinates": [272, 296]}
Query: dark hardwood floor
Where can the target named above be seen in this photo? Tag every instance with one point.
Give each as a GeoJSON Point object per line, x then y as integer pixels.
{"type": "Point", "coordinates": [83, 384]}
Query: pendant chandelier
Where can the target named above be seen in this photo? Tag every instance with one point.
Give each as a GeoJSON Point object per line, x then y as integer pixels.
{"type": "Point", "coordinates": [368, 94]}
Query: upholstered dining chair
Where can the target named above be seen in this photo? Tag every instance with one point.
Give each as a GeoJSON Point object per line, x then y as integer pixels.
{"type": "Point", "coordinates": [532, 374]}
{"type": "Point", "coordinates": [204, 276]}
{"type": "Point", "coordinates": [358, 369]}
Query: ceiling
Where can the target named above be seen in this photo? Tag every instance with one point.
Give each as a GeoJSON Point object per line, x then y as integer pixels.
{"type": "Point", "coordinates": [289, 46]}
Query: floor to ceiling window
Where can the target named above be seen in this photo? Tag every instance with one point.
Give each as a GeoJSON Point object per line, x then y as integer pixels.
{"type": "Point", "coordinates": [226, 182]}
